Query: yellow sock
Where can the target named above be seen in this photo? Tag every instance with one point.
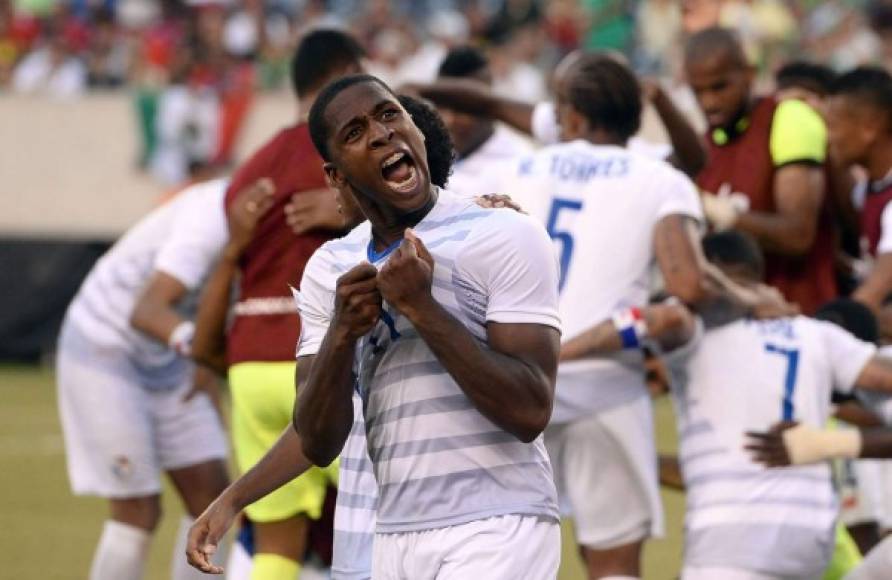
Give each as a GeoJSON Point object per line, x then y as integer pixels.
{"type": "Point", "coordinates": [274, 567]}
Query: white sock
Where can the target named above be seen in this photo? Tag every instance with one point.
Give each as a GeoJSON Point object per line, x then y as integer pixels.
{"type": "Point", "coordinates": [240, 562]}
{"type": "Point", "coordinates": [121, 553]}
{"type": "Point", "coordinates": [179, 566]}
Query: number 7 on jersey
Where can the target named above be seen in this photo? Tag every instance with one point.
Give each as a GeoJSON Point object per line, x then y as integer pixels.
{"type": "Point", "coordinates": [564, 237]}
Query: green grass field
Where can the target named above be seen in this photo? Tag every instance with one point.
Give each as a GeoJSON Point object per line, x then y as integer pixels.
{"type": "Point", "coordinates": [47, 534]}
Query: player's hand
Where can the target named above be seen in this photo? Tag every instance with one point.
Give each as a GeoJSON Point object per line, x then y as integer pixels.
{"type": "Point", "coordinates": [357, 303]}
{"type": "Point", "coordinates": [768, 448]}
{"type": "Point", "coordinates": [405, 280]}
{"type": "Point", "coordinates": [250, 205]}
{"type": "Point", "coordinates": [205, 381]}
{"type": "Point", "coordinates": [770, 303]}
{"type": "Point", "coordinates": [206, 533]}
{"type": "Point", "coordinates": [650, 89]}
{"type": "Point", "coordinates": [497, 200]}
{"type": "Point", "coordinates": [319, 209]}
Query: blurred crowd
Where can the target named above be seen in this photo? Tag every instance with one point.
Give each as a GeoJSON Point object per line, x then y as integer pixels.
{"type": "Point", "coordinates": [194, 65]}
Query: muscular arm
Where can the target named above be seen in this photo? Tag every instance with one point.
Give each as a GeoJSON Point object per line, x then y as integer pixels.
{"type": "Point", "coordinates": [209, 344]}
{"type": "Point", "coordinates": [689, 151]}
{"type": "Point", "coordinates": [475, 98]}
{"type": "Point", "coordinates": [512, 382]}
{"type": "Point", "coordinates": [671, 325]}
{"type": "Point", "coordinates": [702, 286]}
{"type": "Point", "coordinates": [154, 312]}
{"type": "Point", "coordinates": [791, 229]}
{"type": "Point", "coordinates": [323, 411]}
{"type": "Point", "coordinates": [876, 375]}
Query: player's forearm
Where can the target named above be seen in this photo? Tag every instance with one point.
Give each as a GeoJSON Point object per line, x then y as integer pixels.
{"type": "Point", "coordinates": [778, 233]}
{"type": "Point", "coordinates": [323, 411]}
{"type": "Point", "coordinates": [282, 463]}
{"type": "Point", "coordinates": [514, 394]}
{"type": "Point", "coordinates": [209, 343]}
{"type": "Point", "coordinates": [876, 443]}
{"type": "Point", "coordinates": [474, 98]}
{"type": "Point", "coordinates": [155, 318]}
{"type": "Point", "coordinates": [688, 147]}
{"type": "Point", "coordinates": [670, 325]}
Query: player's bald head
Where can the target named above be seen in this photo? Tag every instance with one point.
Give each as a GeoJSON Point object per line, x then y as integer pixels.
{"type": "Point", "coordinates": [715, 43]}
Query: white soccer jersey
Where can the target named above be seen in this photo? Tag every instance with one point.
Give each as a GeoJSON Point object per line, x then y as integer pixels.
{"type": "Point", "coordinates": [746, 376]}
{"type": "Point", "coordinates": [600, 205]}
{"type": "Point", "coordinates": [439, 462]}
{"type": "Point", "coordinates": [182, 238]}
{"type": "Point", "coordinates": [481, 172]}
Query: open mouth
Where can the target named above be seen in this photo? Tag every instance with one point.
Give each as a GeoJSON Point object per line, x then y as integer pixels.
{"type": "Point", "coordinates": [399, 171]}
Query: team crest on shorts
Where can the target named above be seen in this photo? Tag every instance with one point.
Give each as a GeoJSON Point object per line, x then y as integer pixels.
{"type": "Point", "coordinates": [122, 467]}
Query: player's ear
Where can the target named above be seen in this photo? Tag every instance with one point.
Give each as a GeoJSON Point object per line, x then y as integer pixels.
{"type": "Point", "coordinates": [333, 176]}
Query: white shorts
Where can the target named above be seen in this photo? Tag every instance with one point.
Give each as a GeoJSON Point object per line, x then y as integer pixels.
{"type": "Point", "coordinates": [605, 470]}
{"type": "Point", "coordinates": [500, 548]}
{"type": "Point", "coordinates": [119, 436]}
{"type": "Point", "coordinates": [720, 573]}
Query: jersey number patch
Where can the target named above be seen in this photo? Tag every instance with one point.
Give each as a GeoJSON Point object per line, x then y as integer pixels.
{"type": "Point", "coordinates": [564, 237]}
{"type": "Point", "coordinates": [792, 356]}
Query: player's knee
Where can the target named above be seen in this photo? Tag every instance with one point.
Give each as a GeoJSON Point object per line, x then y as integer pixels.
{"type": "Point", "coordinates": [622, 561]}
{"type": "Point", "coordinates": [140, 512]}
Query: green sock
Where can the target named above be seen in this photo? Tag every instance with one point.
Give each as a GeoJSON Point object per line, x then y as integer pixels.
{"type": "Point", "coordinates": [274, 567]}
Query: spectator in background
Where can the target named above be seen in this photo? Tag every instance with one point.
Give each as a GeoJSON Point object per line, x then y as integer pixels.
{"type": "Point", "coordinates": [859, 118]}
{"type": "Point", "coordinates": [480, 143]}
{"type": "Point", "coordinates": [764, 173]}
{"type": "Point", "coordinates": [51, 70]}
{"type": "Point", "coordinates": [659, 27]}
{"type": "Point", "coordinates": [108, 55]}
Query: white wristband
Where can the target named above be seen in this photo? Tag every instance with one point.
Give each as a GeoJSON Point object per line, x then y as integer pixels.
{"type": "Point", "coordinates": [181, 336]}
{"type": "Point", "coordinates": [809, 445]}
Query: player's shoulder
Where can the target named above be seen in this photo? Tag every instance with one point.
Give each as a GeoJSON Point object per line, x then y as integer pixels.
{"type": "Point", "coordinates": [353, 243]}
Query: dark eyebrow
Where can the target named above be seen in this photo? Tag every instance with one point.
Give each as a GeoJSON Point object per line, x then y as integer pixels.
{"type": "Point", "coordinates": [383, 103]}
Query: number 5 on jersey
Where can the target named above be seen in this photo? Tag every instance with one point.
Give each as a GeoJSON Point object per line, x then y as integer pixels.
{"type": "Point", "coordinates": [564, 237]}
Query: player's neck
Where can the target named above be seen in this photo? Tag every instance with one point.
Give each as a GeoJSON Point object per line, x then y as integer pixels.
{"type": "Point", "coordinates": [879, 163]}
{"type": "Point", "coordinates": [601, 137]}
{"type": "Point", "coordinates": [389, 224]}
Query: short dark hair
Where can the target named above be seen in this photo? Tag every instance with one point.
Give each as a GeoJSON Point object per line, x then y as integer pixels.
{"type": "Point", "coordinates": [440, 152]}
{"type": "Point", "coordinates": [463, 61]}
{"type": "Point", "coordinates": [319, 54]}
{"type": "Point", "coordinates": [715, 40]}
{"type": "Point", "coordinates": [733, 248]}
{"type": "Point", "coordinates": [853, 316]}
{"type": "Point", "coordinates": [811, 76]}
{"type": "Point", "coordinates": [606, 92]}
{"type": "Point", "coordinates": [318, 127]}
{"type": "Point", "coordinates": [867, 84]}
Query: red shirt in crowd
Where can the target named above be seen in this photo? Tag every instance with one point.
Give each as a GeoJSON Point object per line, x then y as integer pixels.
{"type": "Point", "coordinates": [267, 326]}
{"type": "Point", "coordinates": [745, 164]}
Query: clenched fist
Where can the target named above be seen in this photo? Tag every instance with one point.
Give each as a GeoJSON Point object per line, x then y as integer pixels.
{"type": "Point", "coordinates": [357, 303]}
{"type": "Point", "coordinates": [405, 280]}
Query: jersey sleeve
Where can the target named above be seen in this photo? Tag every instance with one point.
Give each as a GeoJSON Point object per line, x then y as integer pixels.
{"type": "Point", "coordinates": [846, 355]}
{"type": "Point", "coordinates": [197, 236]}
{"type": "Point", "coordinates": [544, 123]}
{"type": "Point", "coordinates": [315, 303]}
{"type": "Point", "coordinates": [798, 134]}
{"type": "Point", "coordinates": [885, 244]}
{"type": "Point", "coordinates": [678, 195]}
{"type": "Point", "coordinates": [514, 262]}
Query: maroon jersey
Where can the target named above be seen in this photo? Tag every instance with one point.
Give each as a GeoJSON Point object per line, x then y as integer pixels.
{"type": "Point", "coordinates": [878, 195]}
{"type": "Point", "coordinates": [267, 326]}
{"type": "Point", "coordinates": [745, 164]}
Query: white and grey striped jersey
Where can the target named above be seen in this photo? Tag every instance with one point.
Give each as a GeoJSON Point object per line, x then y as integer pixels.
{"type": "Point", "coordinates": [746, 376]}
{"type": "Point", "coordinates": [439, 462]}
